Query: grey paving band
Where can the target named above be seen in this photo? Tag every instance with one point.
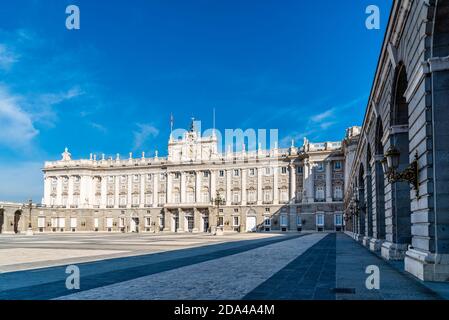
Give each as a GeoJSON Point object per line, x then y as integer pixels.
{"type": "Point", "coordinates": [49, 283]}
{"type": "Point", "coordinates": [226, 278]}
{"type": "Point", "coordinates": [311, 276]}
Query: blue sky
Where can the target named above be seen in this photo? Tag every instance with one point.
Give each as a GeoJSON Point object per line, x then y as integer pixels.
{"type": "Point", "coordinates": [303, 67]}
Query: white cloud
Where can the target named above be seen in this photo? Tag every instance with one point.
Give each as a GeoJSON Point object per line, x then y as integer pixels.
{"type": "Point", "coordinates": [7, 57]}
{"type": "Point", "coordinates": [323, 116]}
{"type": "Point", "coordinates": [98, 127]}
{"type": "Point", "coordinates": [17, 128]}
{"type": "Point", "coordinates": [145, 132]}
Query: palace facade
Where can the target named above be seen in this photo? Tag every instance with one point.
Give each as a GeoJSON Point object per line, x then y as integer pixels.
{"type": "Point", "coordinates": [194, 189]}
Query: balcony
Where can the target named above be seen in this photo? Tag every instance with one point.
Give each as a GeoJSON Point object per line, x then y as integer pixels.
{"type": "Point", "coordinates": [110, 206]}
{"type": "Point", "coordinates": [236, 203]}
{"type": "Point", "coordinates": [267, 202]}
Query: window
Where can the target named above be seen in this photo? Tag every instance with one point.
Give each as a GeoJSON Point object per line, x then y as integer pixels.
{"type": "Point", "coordinates": [267, 222]}
{"type": "Point", "coordinates": [64, 201]}
{"type": "Point", "coordinates": [284, 195]}
{"type": "Point", "coordinates": [162, 176]}
{"type": "Point", "coordinates": [284, 221]}
{"type": "Point", "coordinates": [319, 193]}
{"type": "Point", "coordinates": [123, 179]}
{"type": "Point", "coordinates": [236, 221]}
{"type": "Point", "coordinates": [267, 209]}
{"type": "Point", "coordinates": [149, 177]}
{"type": "Point", "coordinates": [320, 219]}
{"type": "Point", "coordinates": [236, 210]}
{"type": "Point", "coordinates": [110, 201]}
{"type": "Point", "coordinates": [337, 165]}
{"type": "Point", "coordinates": [41, 222]}
{"type": "Point", "coordinates": [252, 172]}
{"type": "Point", "coordinates": [267, 195]}
{"type": "Point", "coordinates": [136, 178]}
{"type": "Point", "coordinates": [73, 223]}
{"type": "Point", "coordinates": [338, 219]}
{"type": "Point", "coordinates": [298, 220]}
{"type": "Point", "coordinates": [338, 192]}
{"type": "Point", "coordinates": [205, 197]}
{"type": "Point", "coordinates": [161, 198]}
{"type": "Point", "coordinates": [147, 221]}
{"type": "Point", "coordinates": [206, 174]}
{"type": "Point", "coordinates": [76, 200]}
{"type": "Point", "coordinates": [236, 172]}
{"type": "Point", "coordinates": [161, 221]}
{"type": "Point", "coordinates": [111, 179]}
{"type": "Point", "coordinates": [319, 166]}
{"type": "Point", "coordinates": [221, 210]}
{"type": "Point", "coordinates": [177, 175]}
{"type": "Point", "coordinates": [190, 196]}
{"type": "Point", "coordinates": [284, 170]}
{"type": "Point", "coordinates": [300, 170]}
{"type": "Point", "coordinates": [267, 171]}
{"type": "Point", "coordinates": [251, 195]}
{"type": "Point", "coordinates": [236, 197]}
{"type": "Point", "coordinates": [176, 197]}
{"type": "Point", "coordinates": [148, 199]}
{"type": "Point", "coordinates": [122, 200]}
{"type": "Point", "coordinates": [220, 221]}
{"type": "Point", "coordinates": [221, 173]}
{"type": "Point", "coordinates": [109, 222]}
{"type": "Point", "coordinates": [136, 200]}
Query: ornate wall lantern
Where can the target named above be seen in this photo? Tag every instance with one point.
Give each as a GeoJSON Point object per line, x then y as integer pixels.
{"type": "Point", "coordinates": [390, 165]}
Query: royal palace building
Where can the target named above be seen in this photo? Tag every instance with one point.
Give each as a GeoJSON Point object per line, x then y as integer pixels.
{"type": "Point", "coordinates": [194, 189]}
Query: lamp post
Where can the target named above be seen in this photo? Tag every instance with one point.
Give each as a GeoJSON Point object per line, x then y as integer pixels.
{"type": "Point", "coordinates": [30, 207]}
{"type": "Point", "coordinates": [217, 201]}
{"type": "Point", "coordinates": [390, 165]}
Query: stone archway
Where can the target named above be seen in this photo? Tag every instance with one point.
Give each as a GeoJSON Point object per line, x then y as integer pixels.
{"type": "Point", "coordinates": [251, 221]}
{"type": "Point", "coordinates": [17, 217]}
{"type": "Point", "coordinates": [379, 182]}
{"type": "Point", "coordinates": [2, 219]}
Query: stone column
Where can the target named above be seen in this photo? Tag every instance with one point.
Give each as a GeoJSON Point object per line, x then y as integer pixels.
{"type": "Point", "coordinates": [70, 192]}
{"type": "Point", "coordinates": [169, 187]}
{"type": "Point", "coordinates": [196, 220]}
{"type": "Point", "coordinates": [182, 222]}
{"type": "Point", "coordinates": [292, 182]}
{"type": "Point", "coordinates": [59, 191]}
{"type": "Point", "coordinates": [275, 185]}
{"type": "Point", "coordinates": [47, 190]}
{"type": "Point", "coordinates": [228, 187]}
{"type": "Point", "coordinates": [142, 190]}
{"type": "Point", "coordinates": [183, 188]}
{"type": "Point", "coordinates": [104, 190]}
{"type": "Point", "coordinates": [92, 182]}
{"type": "Point", "coordinates": [198, 186]}
{"type": "Point", "coordinates": [213, 184]}
{"type": "Point", "coordinates": [156, 191]}
{"type": "Point", "coordinates": [328, 181]}
{"type": "Point", "coordinates": [129, 195]}
{"type": "Point", "coordinates": [167, 220]}
{"type": "Point", "coordinates": [310, 185]}
{"type": "Point", "coordinates": [259, 186]}
{"type": "Point", "coordinates": [244, 173]}
{"type": "Point", "coordinates": [116, 192]}
{"type": "Point", "coordinates": [305, 181]}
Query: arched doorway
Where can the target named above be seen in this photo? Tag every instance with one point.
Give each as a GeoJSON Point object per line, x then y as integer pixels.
{"type": "Point", "coordinates": [369, 193]}
{"type": "Point", "coordinates": [379, 182]}
{"type": "Point", "coordinates": [400, 191]}
{"type": "Point", "coordinates": [361, 201]}
{"type": "Point", "coordinates": [2, 219]}
{"type": "Point", "coordinates": [17, 216]}
{"type": "Point", "coordinates": [251, 221]}
{"type": "Point", "coordinates": [134, 223]}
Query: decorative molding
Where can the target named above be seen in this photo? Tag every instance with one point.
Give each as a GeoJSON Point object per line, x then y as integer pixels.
{"type": "Point", "coordinates": [416, 78]}
{"type": "Point", "coordinates": [438, 64]}
{"type": "Point", "coordinates": [401, 20]}
{"type": "Point", "coordinates": [393, 55]}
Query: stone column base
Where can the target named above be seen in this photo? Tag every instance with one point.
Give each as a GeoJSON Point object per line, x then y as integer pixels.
{"type": "Point", "coordinates": [366, 241]}
{"type": "Point", "coordinates": [180, 230]}
{"type": "Point", "coordinates": [358, 237]}
{"type": "Point", "coordinates": [393, 251]}
{"type": "Point", "coordinates": [375, 244]}
{"type": "Point", "coordinates": [195, 230]}
{"type": "Point", "coordinates": [427, 266]}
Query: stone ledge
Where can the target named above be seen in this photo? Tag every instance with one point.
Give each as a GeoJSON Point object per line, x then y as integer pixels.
{"type": "Point", "coordinates": [366, 241]}
{"type": "Point", "coordinates": [427, 266]}
{"type": "Point", "coordinates": [393, 251]}
{"type": "Point", "coordinates": [375, 244]}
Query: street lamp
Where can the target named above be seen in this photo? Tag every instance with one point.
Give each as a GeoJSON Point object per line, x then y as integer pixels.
{"type": "Point", "coordinates": [217, 201]}
{"type": "Point", "coordinates": [30, 207]}
{"type": "Point", "coordinates": [390, 165]}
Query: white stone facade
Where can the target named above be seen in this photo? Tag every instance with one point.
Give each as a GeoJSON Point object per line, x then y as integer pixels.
{"type": "Point", "coordinates": [264, 190]}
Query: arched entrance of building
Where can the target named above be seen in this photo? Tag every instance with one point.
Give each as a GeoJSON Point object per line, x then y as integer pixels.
{"type": "Point", "coordinates": [400, 191]}
{"type": "Point", "coordinates": [379, 181]}
{"type": "Point", "coordinates": [251, 221]}
{"type": "Point", "coordinates": [368, 194]}
{"type": "Point", "coordinates": [2, 219]}
{"type": "Point", "coordinates": [361, 201]}
{"type": "Point", "coordinates": [134, 223]}
{"type": "Point", "coordinates": [17, 216]}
